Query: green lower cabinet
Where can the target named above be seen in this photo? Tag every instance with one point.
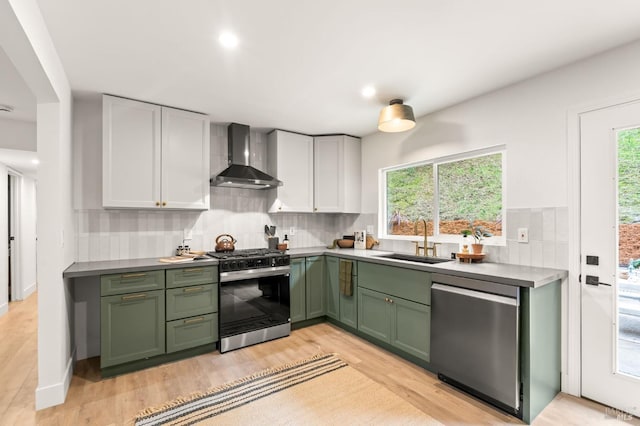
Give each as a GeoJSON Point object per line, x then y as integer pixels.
{"type": "Point", "coordinates": [191, 332]}
{"type": "Point", "coordinates": [349, 308]}
{"type": "Point", "coordinates": [191, 301]}
{"type": "Point", "coordinates": [410, 327]}
{"type": "Point", "coordinates": [339, 306]}
{"type": "Point", "coordinates": [298, 290]}
{"type": "Point", "coordinates": [333, 287]}
{"type": "Point", "coordinates": [374, 314]}
{"type": "Point", "coordinates": [132, 327]}
{"type": "Point", "coordinates": [315, 291]}
{"type": "Point", "coordinates": [401, 323]}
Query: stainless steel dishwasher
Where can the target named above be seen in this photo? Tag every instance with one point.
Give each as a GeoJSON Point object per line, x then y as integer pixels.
{"type": "Point", "coordinates": [475, 338]}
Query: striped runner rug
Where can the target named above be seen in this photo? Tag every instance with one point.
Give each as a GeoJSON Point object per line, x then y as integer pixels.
{"type": "Point", "coordinates": [320, 390]}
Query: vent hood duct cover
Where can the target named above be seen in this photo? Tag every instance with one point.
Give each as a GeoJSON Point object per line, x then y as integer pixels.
{"type": "Point", "coordinates": [240, 174]}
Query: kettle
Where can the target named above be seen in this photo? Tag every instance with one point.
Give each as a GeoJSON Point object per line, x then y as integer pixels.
{"type": "Point", "coordinates": [225, 242]}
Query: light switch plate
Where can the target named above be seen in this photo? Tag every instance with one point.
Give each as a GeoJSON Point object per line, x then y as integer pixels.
{"type": "Point", "coordinates": [188, 234]}
{"type": "Point", "coordinates": [292, 230]}
{"type": "Point", "coordinates": [370, 229]}
{"type": "Point", "coordinates": [523, 235]}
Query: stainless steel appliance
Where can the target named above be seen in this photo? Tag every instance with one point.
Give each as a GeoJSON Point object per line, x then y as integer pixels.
{"type": "Point", "coordinates": [240, 174]}
{"type": "Point", "coordinates": [254, 297]}
{"type": "Point", "coordinates": [475, 338]}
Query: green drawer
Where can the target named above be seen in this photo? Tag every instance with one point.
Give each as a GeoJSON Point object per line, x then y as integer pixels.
{"type": "Point", "coordinates": [131, 282]}
{"type": "Point", "coordinates": [406, 283]}
{"type": "Point", "coordinates": [192, 276]}
{"type": "Point", "coordinates": [185, 302]}
{"type": "Point", "coordinates": [191, 332]}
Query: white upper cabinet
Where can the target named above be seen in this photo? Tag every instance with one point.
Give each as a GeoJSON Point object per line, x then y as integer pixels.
{"type": "Point", "coordinates": [153, 156]}
{"type": "Point", "coordinates": [337, 174]}
{"type": "Point", "coordinates": [185, 159]}
{"type": "Point", "coordinates": [319, 174]}
{"type": "Point", "coordinates": [290, 159]}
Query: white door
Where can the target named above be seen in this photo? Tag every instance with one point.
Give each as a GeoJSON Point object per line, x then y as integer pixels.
{"type": "Point", "coordinates": [610, 289]}
{"type": "Point", "coordinates": [328, 166]}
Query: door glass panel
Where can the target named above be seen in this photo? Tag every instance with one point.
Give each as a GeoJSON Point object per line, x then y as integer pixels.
{"type": "Point", "coordinates": [629, 252]}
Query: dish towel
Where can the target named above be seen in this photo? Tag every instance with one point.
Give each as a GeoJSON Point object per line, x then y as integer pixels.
{"type": "Point", "coordinates": [346, 286]}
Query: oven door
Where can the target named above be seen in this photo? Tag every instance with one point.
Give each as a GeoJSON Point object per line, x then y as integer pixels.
{"type": "Point", "coordinates": [254, 306]}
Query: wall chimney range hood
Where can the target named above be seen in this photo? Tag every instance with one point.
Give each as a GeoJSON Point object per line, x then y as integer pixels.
{"type": "Point", "coordinates": [240, 174]}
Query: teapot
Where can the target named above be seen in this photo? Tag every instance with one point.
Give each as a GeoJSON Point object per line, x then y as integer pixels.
{"type": "Point", "coordinates": [225, 242]}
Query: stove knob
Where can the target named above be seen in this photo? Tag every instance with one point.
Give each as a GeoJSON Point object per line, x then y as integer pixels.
{"type": "Point", "coordinates": [233, 265]}
{"type": "Point", "coordinates": [242, 264]}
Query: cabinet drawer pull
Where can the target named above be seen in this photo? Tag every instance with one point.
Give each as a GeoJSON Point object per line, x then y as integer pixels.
{"type": "Point", "coordinates": [193, 270]}
{"type": "Point", "coordinates": [192, 289]}
{"type": "Point", "coordinates": [125, 276]}
{"type": "Point", "coordinates": [193, 320]}
{"type": "Point", "coordinates": [134, 296]}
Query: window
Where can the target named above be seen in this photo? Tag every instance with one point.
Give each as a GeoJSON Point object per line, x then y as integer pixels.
{"type": "Point", "coordinates": [448, 193]}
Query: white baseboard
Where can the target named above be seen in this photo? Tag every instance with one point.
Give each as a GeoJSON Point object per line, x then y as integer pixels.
{"type": "Point", "coordinates": [4, 309]}
{"type": "Point", "coordinates": [28, 291]}
{"type": "Point", "coordinates": [48, 396]}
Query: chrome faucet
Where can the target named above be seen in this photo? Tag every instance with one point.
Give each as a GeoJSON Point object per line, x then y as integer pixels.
{"type": "Point", "coordinates": [424, 247]}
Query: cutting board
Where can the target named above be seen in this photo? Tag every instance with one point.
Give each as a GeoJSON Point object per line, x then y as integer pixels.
{"type": "Point", "coordinates": [176, 259]}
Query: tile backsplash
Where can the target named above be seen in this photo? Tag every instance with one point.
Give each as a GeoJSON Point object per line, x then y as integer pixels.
{"type": "Point", "coordinates": [129, 234]}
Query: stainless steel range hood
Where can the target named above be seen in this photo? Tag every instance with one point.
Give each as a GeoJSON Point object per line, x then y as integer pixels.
{"type": "Point", "coordinates": [240, 174]}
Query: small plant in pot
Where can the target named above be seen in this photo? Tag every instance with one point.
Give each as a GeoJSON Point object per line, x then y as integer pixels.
{"type": "Point", "coordinates": [478, 233]}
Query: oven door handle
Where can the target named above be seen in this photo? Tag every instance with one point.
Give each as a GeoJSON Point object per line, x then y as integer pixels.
{"type": "Point", "coordinates": [254, 273]}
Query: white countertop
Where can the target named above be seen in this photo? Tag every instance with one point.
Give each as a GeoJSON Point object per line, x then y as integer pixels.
{"type": "Point", "coordinates": [518, 275]}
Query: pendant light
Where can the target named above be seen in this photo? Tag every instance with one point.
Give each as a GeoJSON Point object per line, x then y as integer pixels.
{"type": "Point", "coordinates": [396, 117]}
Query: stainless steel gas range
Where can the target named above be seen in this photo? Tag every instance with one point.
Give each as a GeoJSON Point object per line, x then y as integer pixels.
{"type": "Point", "coordinates": [254, 297]}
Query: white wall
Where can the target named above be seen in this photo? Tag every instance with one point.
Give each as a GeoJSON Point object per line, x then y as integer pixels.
{"type": "Point", "coordinates": [4, 254]}
{"type": "Point", "coordinates": [17, 134]}
{"type": "Point", "coordinates": [26, 41]}
{"type": "Point", "coordinates": [27, 235]}
{"type": "Point", "coordinates": [530, 118]}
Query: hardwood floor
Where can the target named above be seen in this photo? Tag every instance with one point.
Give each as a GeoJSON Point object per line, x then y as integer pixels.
{"type": "Point", "coordinates": [92, 400]}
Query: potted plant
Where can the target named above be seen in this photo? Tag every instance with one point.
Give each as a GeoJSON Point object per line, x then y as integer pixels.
{"type": "Point", "coordinates": [478, 233]}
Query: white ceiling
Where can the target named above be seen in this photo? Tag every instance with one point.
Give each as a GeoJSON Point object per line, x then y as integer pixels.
{"type": "Point", "coordinates": [301, 65]}
{"type": "Point", "coordinates": [15, 93]}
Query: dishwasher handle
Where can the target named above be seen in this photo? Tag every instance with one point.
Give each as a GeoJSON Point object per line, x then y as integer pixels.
{"type": "Point", "coordinates": [476, 294]}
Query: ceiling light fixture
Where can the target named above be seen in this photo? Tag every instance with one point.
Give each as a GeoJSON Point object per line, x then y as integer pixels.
{"type": "Point", "coordinates": [368, 91]}
{"type": "Point", "coordinates": [228, 40]}
{"type": "Point", "coordinates": [396, 117]}
{"type": "Point", "coordinates": [35, 161]}
{"type": "Point", "coordinates": [6, 108]}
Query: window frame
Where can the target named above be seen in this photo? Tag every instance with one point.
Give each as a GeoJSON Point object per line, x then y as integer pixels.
{"type": "Point", "coordinates": [435, 162]}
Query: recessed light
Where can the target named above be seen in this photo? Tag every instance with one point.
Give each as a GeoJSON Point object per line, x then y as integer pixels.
{"type": "Point", "coordinates": [368, 91]}
{"type": "Point", "coordinates": [228, 40]}
{"type": "Point", "coordinates": [35, 161]}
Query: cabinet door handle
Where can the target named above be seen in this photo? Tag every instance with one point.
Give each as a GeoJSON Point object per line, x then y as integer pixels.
{"type": "Point", "coordinates": [157, 203]}
{"type": "Point", "coordinates": [192, 289]}
{"type": "Point", "coordinates": [126, 276]}
{"type": "Point", "coordinates": [193, 320]}
{"type": "Point", "coordinates": [164, 203]}
{"type": "Point", "coordinates": [192, 270]}
{"type": "Point", "coordinates": [390, 300]}
{"type": "Point", "coordinates": [134, 296]}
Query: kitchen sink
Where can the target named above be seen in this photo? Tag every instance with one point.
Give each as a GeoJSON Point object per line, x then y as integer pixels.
{"type": "Point", "coordinates": [412, 258]}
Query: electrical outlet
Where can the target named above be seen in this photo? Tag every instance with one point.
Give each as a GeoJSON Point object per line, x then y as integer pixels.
{"type": "Point", "coordinates": [370, 229]}
{"type": "Point", "coordinates": [523, 235]}
{"type": "Point", "coordinates": [292, 230]}
{"type": "Point", "coordinates": [188, 234]}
